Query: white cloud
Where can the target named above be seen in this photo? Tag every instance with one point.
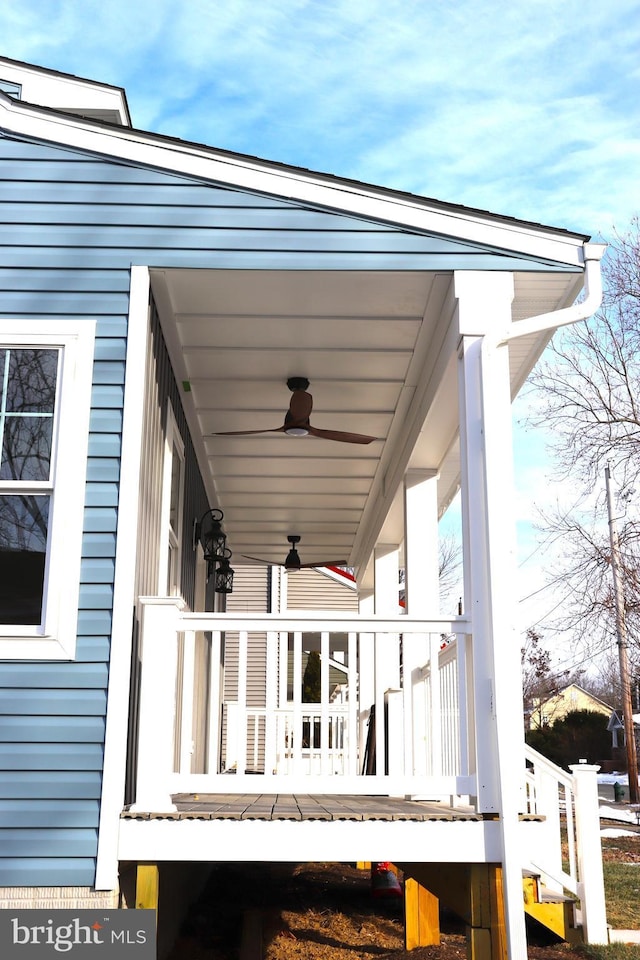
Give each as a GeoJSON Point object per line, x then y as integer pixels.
{"type": "Point", "coordinates": [527, 110]}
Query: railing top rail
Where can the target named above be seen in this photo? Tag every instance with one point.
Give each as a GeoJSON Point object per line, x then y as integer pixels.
{"type": "Point", "coordinates": [315, 621]}
{"type": "Point", "coordinates": [551, 768]}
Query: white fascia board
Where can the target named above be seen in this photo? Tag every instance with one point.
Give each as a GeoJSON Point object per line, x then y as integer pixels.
{"type": "Point", "coordinates": [242, 173]}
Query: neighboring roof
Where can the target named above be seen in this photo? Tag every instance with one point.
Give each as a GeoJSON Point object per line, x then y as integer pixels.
{"type": "Point", "coordinates": [575, 686]}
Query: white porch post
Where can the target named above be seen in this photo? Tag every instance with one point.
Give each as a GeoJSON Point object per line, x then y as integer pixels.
{"type": "Point", "coordinates": [590, 873]}
{"type": "Point", "coordinates": [422, 599]}
{"type": "Point", "coordinates": [421, 563]}
{"type": "Point", "coordinates": [159, 646]}
{"type": "Point", "coordinates": [484, 305]}
{"type": "Point", "coordinates": [386, 602]}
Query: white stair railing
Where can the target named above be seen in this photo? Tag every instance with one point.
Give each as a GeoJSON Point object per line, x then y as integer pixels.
{"type": "Point", "coordinates": [568, 852]}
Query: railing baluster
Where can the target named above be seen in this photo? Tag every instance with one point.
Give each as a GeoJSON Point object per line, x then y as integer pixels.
{"type": "Point", "coordinates": [215, 699]}
{"type": "Point", "coordinates": [242, 731]}
{"type": "Point", "coordinates": [297, 703]}
{"type": "Point", "coordinates": [435, 715]}
{"type": "Point", "coordinates": [381, 682]}
{"type": "Point", "coordinates": [353, 706]}
{"type": "Point", "coordinates": [186, 717]}
{"type": "Point", "coordinates": [271, 702]}
{"type": "Point", "coordinates": [325, 760]}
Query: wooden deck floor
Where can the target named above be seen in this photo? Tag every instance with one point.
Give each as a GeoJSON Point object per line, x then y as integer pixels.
{"type": "Point", "coordinates": [222, 806]}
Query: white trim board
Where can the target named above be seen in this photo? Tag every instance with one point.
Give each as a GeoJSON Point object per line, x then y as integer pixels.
{"type": "Point", "coordinates": [114, 766]}
{"type": "Point", "coordinates": [466, 841]}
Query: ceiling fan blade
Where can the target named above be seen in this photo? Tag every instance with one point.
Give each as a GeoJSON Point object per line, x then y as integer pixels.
{"type": "Point", "coordinates": [324, 563]}
{"type": "Point", "coordinates": [271, 563]}
{"type": "Point", "coordinates": [245, 433]}
{"type": "Point", "coordinates": [341, 435]}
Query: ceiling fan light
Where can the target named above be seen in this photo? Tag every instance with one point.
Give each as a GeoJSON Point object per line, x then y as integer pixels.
{"type": "Point", "coordinates": [297, 431]}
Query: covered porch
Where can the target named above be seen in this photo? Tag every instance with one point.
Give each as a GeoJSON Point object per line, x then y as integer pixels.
{"type": "Point", "coordinates": [422, 364]}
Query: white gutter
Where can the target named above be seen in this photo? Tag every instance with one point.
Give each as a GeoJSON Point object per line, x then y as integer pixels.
{"type": "Point", "coordinates": [592, 253]}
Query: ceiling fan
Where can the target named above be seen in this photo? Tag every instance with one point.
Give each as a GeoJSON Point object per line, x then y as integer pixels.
{"type": "Point", "coordinates": [293, 562]}
{"type": "Point", "coordinates": [296, 421]}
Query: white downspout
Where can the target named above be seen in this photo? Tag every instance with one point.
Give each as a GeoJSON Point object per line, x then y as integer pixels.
{"type": "Point", "coordinates": [593, 253]}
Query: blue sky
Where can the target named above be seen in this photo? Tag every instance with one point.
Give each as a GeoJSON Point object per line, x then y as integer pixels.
{"type": "Point", "coordinates": [529, 110]}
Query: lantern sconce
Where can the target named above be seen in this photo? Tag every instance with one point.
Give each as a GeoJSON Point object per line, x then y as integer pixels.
{"type": "Point", "coordinates": [208, 532]}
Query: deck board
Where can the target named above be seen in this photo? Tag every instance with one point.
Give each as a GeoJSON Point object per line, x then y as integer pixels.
{"type": "Point", "coordinates": [267, 806]}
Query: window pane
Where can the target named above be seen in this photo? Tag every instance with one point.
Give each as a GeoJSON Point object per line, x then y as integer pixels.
{"type": "Point", "coordinates": [31, 386]}
{"type": "Point", "coordinates": [28, 399]}
{"type": "Point", "coordinates": [23, 546]}
{"type": "Point", "coordinates": [26, 448]}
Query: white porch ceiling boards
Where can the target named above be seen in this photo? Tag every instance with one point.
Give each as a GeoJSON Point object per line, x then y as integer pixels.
{"type": "Point", "coordinates": [379, 352]}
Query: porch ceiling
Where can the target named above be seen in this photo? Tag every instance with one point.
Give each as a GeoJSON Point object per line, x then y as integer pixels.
{"type": "Point", "coordinates": [379, 351]}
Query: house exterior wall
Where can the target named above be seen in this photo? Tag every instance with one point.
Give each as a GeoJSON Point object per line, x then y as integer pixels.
{"type": "Point", "coordinates": [313, 590]}
{"type": "Point", "coordinates": [565, 701]}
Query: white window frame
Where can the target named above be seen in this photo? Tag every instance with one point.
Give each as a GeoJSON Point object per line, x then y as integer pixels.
{"type": "Point", "coordinates": [55, 638]}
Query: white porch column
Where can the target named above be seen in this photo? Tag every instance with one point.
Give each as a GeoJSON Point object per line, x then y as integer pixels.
{"type": "Point", "coordinates": [156, 731]}
{"type": "Point", "coordinates": [422, 599]}
{"type": "Point", "coordinates": [421, 562]}
{"type": "Point", "coordinates": [385, 585]}
{"type": "Point", "coordinates": [484, 306]}
{"type": "Point", "coordinates": [386, 603]}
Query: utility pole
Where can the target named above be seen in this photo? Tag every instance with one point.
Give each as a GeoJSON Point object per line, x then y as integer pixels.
{"type": "Point", "coordinates": [621, 630]}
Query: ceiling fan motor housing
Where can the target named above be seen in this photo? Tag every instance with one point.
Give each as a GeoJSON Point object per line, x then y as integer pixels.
{"type": "Point", "coordinates": [298, 383]}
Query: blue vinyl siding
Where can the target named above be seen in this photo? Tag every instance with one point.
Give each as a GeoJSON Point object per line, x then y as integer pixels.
{"type": "Point", "coordinates": [49, 785]}
{"type": "Point", "coordinates": [51, 729]}
{"type": "Point", "coordinates": [71, 226]}
{"type": "Point", "coordinates": [49, 813]}
{"type": "Point", "coordinates": [48, 872]}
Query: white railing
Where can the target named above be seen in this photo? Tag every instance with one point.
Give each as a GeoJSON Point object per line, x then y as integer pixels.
{"type": "Point", "coordinates": [568, 853]}
{"type": "Point", "coordinates": [375, 725]}
{"type": "Point", "coordinates": [549, 792]}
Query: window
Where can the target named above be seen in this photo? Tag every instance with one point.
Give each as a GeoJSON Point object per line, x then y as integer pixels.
{"type": "Point", "coordinates": [11, 89]}
{"type": "Point", "coordinates": [45, 383]}
{"type": "Point", "coordinates": [28, 379]}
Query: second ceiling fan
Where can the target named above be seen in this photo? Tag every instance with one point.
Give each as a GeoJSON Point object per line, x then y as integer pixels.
{"type": "Point", "coordinates": [296, 421]}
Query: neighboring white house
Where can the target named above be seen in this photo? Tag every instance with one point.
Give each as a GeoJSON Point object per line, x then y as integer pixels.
{"type": "Point", "coordinates": [204, 355]}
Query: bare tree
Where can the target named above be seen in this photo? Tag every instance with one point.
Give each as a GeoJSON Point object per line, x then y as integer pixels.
{"type": "Point", "coordinates": [589, 387]}
{"type": "Point", "coordinates": [590, 379]}
{"type": "Point", "coordinates": [540, 681]}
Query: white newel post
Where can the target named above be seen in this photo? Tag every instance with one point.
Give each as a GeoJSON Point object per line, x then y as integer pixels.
{"type": "Point", "coordinates": [159, 656]}
{"type": "Point", "coordinates": [590, 872]}
{"type": "Point", "coordinates": [484, 314]}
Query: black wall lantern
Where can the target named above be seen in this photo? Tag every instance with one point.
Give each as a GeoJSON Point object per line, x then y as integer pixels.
{"type": "Point", "coordinates": [208, 531]}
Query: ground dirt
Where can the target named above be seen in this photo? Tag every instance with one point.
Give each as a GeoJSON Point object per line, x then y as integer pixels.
{"type": "Point", "coordinates": [326, 911]}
